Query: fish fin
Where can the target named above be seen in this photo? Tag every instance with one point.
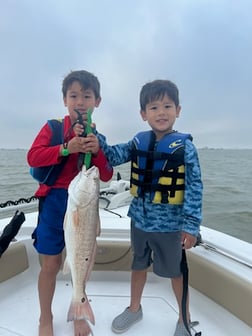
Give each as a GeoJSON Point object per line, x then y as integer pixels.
{"type": "Point", "coordinates": [66, 268]}
{"type": "Point", "coordinates": [81, 311]}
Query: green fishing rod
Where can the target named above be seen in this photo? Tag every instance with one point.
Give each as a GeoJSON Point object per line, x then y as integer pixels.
{"type": "Point", "coordinates": [87, 157]}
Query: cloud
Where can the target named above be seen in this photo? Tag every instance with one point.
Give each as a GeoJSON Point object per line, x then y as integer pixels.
{"type": "Point", "coordinates": [203, 46]}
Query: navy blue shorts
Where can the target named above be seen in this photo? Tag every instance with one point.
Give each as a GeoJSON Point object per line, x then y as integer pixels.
{"type": "Point", "coordinates": [161, 249]}
{"type": "Point", "coordinates": [49, 234]}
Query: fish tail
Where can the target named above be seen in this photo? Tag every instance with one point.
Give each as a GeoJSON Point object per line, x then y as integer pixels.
{"type": "Point", "coordinates": [81, 311]}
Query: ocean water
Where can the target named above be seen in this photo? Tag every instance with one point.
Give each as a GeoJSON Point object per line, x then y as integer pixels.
{"type": "Point", "coordinates": [226, 174]}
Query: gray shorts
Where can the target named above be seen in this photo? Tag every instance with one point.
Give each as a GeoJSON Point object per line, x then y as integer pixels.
{"type": "Point", "coordinates": [162, 249]}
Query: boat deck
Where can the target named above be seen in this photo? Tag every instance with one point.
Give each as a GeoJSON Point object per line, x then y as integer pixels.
{"type": "Point", "coordinates": [108, 292]}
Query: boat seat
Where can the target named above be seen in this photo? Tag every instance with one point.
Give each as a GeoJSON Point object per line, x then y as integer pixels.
{"type": "Point", "coordinates": [110, 256]}
{"type": "Point", "coordinates": [13, 261]}
{"type": "Point", "coordinates": [231, 291]}
{"type": "Point", "coordinates": [113, 256]}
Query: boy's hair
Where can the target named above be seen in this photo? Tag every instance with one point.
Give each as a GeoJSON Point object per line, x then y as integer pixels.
{"type": "Point", "coordinates": [157, 89]}
{"type": "Point", "coordinates": [86, 79]}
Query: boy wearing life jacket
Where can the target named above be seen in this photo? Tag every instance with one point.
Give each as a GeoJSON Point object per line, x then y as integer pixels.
{"type": "Point", "coordinates": [166, 208]}
{"type": "Point", "coordinates": [54, 158]}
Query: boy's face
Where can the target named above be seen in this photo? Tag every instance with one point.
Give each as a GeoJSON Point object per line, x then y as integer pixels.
{"type": "Point", "coordinates": [161, 115]}
{"type": "Point", "coordinates": [81, 100]}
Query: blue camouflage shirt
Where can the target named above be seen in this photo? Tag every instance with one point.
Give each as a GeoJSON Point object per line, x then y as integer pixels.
{"type": "Point", "coordinates": [153, 217]}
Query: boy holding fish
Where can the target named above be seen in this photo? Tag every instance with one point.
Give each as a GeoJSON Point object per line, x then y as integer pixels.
{"type": "Point", "coordinates": [54, 156]}
{"type": "Point", "coordinates": [166, 208]}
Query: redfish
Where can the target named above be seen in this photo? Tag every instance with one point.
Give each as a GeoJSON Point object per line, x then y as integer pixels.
{"type": "Point", "coordinates": [81, 227]}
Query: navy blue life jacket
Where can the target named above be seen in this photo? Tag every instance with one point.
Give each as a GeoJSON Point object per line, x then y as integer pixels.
{"type": "Point", "coordinates": [49, 174]}
{"type": "Point", "coordinates": [158, 167]}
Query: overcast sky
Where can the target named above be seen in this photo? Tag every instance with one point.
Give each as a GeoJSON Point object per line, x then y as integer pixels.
{"type": "Point", "coordinates": [204, 46]}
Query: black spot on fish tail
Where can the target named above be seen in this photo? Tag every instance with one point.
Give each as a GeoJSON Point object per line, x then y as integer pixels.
{"type": "Point", "coordinates": [83, 300]}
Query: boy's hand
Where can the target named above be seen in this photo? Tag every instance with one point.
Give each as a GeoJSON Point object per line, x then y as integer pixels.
{"type": "Point", "coordinates": [88, 144]}
{"type": "Point", "coordinates": [79, 129]}
{"type": "Point", "coordinates": [187, 240]}
{"type": "Point", "coordinates": [91, 144]}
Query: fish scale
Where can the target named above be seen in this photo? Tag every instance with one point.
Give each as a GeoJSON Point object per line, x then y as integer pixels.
{"type": "Point", "coordinates": [81, 227]}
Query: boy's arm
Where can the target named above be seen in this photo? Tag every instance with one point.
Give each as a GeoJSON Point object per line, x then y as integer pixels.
{"type": "Point", "coordinates": [98, 159]}
{"type": "Point", "coordinates": [193, 191]}
{"type": "Point", "coordinates": [117, 154]}
{"type": "Point", "coordinates": [41, 153]}
{"type": "Point", "coordinates": [105, 169]}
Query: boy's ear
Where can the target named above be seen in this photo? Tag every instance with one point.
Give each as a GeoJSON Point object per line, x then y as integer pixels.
{"type": "Point", "coordinates": [64, 100]}
{"type": "Point", "coordinates": [178, 109]}
{"type": "Point", "coordinates": [143, 115]}
{"type": "Point", "coordinates": [97, 102]}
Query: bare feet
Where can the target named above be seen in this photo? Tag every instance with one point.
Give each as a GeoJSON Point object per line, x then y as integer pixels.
{"type": "Point", "coordinates": [82, 328]}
